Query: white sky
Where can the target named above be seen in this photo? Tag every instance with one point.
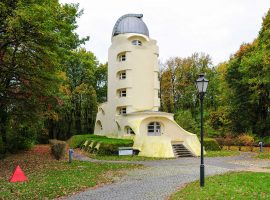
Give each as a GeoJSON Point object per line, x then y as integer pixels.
{"type": "Point", "coordinates": [181, 27]}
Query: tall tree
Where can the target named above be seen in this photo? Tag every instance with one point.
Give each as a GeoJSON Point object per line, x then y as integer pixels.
{"type": "Point", "coordinates": [35, 36]}
{"type": "Point", "coordinates": [78, 112]}
{"type": "Point", "coordinates": [101, 85]}
{"type": "Point", "coordinates": [178, 81]}
{"type": "Point", "coordinates": [249, 78]}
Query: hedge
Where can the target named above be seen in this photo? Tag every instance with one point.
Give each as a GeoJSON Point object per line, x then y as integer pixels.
{"type": "Point", "coordinates": [108, 145]}
{"type": "Point", "coordinates": [211, 144]}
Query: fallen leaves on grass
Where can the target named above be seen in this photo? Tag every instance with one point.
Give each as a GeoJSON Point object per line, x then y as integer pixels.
{"type": "Point", "coordinates": [49, 178]}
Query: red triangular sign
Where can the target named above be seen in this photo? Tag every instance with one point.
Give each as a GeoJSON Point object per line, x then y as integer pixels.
{"type": "Point", "coordinates": [18, 175]}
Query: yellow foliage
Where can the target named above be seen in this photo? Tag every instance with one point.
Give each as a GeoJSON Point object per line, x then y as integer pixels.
{"type": "Point", "coordinates": [65, 89]}
{"type": "Point", "coordinates": [246, 140]}
{"type": "Point", "coordinates": [51, 115]}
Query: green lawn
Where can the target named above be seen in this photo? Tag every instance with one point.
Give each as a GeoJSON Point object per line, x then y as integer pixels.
{"type": "Point", "coordinates": [221, 153]}
{"type": "Point", "coordinates": [242, 185]}
{"type": "Point", "coordinates": [60, 179]}
{"type": "Point", "coordinates": [263, 155]}
{"type": "Point", "coordinates": [77, 140]}
{"type": "Point", "coordinates": [124, 158]}
{"type": "Point", "coordinates": [49, 178]}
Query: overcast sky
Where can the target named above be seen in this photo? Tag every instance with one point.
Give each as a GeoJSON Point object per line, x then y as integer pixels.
{"type": "Point", "coordinates": [181, 27]}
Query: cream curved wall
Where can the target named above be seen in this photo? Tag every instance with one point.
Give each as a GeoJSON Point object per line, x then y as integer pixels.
{"type": "Point", "coordinates": [141, 83]}
{"type": "Point", "coordinates": [142, 101]}
{"type": "Point", "coordinates": [141, 68]}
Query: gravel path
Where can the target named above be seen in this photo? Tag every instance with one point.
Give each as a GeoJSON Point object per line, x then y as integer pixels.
{"type": "Point", "coordinates": [159, 179]}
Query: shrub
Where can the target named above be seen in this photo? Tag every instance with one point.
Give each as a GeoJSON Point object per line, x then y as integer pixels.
{"type": "Point", "coordinates": [58, 148]}
{"type": "Point", "coordinates": [211, 144]}
{"type": "Point", "coordinates": [245, 140]}
{"type": "Point", "coordinates": [239, 143]}
{"type": "Point", "coordinates": [221, 142]}
{"type": "Point", "coordinates": [229, 141]}
{"type": "Point", "coordinates": [110, 149]}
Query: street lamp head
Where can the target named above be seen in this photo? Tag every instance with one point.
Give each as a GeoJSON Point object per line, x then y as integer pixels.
{"type": "Point", "coordinates": [202, 83]}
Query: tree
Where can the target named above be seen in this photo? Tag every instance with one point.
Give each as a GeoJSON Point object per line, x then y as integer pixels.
{"type": "Point", "coordinates": [78, 112]}
{"type": "Point", "coordinates": [35, 37]}
{"type": "Point", "coordinates": [249, 79]}
{"type": "Point", "coordinates": [101, 84]}
{"type": "Point", "coordinates": [178, 91]}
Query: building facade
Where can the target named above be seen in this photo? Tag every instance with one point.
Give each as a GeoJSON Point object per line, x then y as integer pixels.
{"type": "Point", "coordinates": [132, 107]}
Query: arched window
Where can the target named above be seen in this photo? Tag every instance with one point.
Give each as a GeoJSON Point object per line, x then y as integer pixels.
{"type": "Point", "coordinates": [129, 130]}
{"type": "Point", "coordinates": [122, 110]}
{"type": "Point", "coordinates": [153, 128]}
{"type": "Point", "coordinates": [122, 75]}
{"type": "Point", "coordinates": [99, 126]}
{"type": "Point", "coordinates": [136, 42]}
{"type": "Point", "coordinates": [121, 57]}
{"type": "Point", "coordinates": [122, 92]}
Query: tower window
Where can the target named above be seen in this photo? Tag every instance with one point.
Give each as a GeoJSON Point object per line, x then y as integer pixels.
{"type": "Point", "coordinates": [137, 42]}
{"type": "Point", "coordinates": [122, 75]}
{"type": "Point", "coordinates": [123, 93]}
{"type": "Point", "coordinates": [122, 111]}
{"type": "Point", "coordinates": [99, 126]}
{"type": "Point", "coordinates": [130, 131]}
{"type": "Point", "coordinates": [122, 57]}
{"type": "Point", "coordinates": [153, 128]}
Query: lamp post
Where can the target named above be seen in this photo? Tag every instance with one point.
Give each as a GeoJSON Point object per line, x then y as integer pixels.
{"type": "Point", "coordinates": [201, 84]}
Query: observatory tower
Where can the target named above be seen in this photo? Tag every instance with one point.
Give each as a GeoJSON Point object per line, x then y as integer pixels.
{"type": "Point", "coordinates": [131, 110]}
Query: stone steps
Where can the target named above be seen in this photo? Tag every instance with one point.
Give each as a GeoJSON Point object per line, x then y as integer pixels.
{"type": "Point", "coordinates": [181, 151]}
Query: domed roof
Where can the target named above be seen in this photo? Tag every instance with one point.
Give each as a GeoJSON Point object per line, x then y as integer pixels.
{"type": "Point", "coordinates": [130, 23]}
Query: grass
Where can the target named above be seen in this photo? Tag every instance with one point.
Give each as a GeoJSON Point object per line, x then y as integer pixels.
{"type": "Point", "coordinates": [263, 155]}
{"type": "Point", "coordinates": [49, 179]}
{"type": "Point", "coordinates": [76, 140]}
{"type": "Point", "coordinates": [241, 185]}
{"type": "Point", "coordinates": [221, 153]}
{"type": "Point", "coordinates": [124, 158]}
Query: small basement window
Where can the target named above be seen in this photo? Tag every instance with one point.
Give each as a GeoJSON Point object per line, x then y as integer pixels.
{"type": "Point", "coordinates": [136, 42]}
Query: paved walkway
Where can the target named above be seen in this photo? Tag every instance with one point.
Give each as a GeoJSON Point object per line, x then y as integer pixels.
{"type": "Point", "coordinates": [159, 179]}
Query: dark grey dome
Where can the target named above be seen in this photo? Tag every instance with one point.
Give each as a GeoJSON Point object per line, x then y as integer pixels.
{"type": "Point", "coordinates": [130, 23]}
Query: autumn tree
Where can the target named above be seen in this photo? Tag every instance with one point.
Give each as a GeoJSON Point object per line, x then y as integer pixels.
{"type": "Point", "coordinates": [178, 81]}
{"type": "Point", "coordinates": [249, 79]}
{"type": "Point", "coordinates": [35, 37]}
{"type": "Point", "coordinates": [178, 90]}
{"type": "Point", "coordinates": [78, 112]}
